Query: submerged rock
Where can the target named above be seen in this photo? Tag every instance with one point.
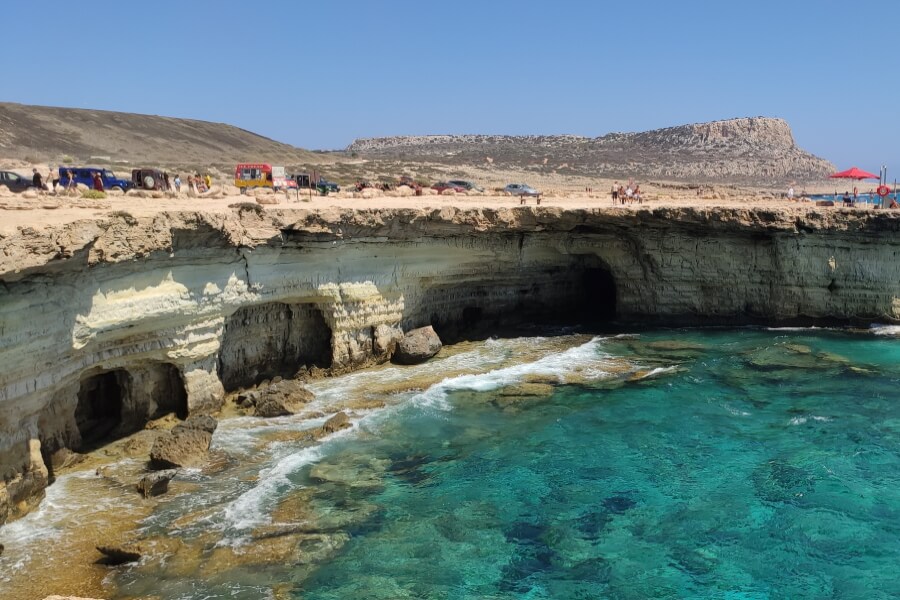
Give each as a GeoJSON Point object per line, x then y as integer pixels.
{"type": "Point", "coordinates": [65, 458]}
{"type": "Point", "coordinates": [156, 484]}
{"type": "Point", "coordinates": [120, 555]}
{"type": "Point", "coordinates": [417, 346]}
{"type": "Point", "coordinates": [186, 445]}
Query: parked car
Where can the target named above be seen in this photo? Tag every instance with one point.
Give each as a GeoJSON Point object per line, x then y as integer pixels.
{"type": "Point", "coordinates": [15, 182]}
{"type": "Point", "coordinates": [85, 176]}
{"type": "Point", "coordinates": [328, 185]}
{"type": "Point", "coordinates": [521, 189]}
{"type": "Point", "coordinates": [443, 186]}
{"type": "Point", "coordinates": [149, 179]}
{"type": "Point", "coordinates": [323, 186]}
{"type": "Point", "coordinates": [468, 185]}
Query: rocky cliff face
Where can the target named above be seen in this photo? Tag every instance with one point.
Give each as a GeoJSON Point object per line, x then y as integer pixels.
{"type": "Point", "coordinates": [105, 324]}
{"type": "Point", "coordinates": [754, 150]}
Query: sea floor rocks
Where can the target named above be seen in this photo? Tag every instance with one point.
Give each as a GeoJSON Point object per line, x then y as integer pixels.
{"type": "Point", "coordinates": [417, 346]}
{"type": "Point", "coordinates": [119, 555]}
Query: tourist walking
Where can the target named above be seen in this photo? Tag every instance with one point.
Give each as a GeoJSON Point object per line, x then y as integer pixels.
{"type": "Point", "coordinates": [54, 177]}
{"type": "Point", "coordinates": [615, 192]}
{"type": "Point", "coordinates": [70, 181]}
{"type": "Point", "coordinates": [177, 183]}
{"type": "Point", "coordinates": [208, 180]}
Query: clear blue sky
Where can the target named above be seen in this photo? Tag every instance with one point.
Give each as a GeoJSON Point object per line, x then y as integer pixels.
{"type": "Point", "coordinates": [319, 74]}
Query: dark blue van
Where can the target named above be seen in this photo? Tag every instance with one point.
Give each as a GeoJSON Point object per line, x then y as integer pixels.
{"type": "Point", "coordinates": [85, 175]}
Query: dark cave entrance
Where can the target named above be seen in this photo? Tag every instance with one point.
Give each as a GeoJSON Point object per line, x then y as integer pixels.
{"type": "Point", "coordinates": [598, 295]}
{"type": "Point", "coordinates": [274, 339]}
{"type": "Point", "coordinates": [578, 292]}
{"type": "Point", "coordinates": [98, 413]}
{"type": "Point", "coordinates": [171, 393]}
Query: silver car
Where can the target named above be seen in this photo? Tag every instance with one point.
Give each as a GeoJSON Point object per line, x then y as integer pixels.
{"type": "Point", "coordinates": [521, 189]}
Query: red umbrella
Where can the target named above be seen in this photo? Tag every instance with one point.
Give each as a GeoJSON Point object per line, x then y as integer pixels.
{"type": "Point", "coordinates": [854, 173]}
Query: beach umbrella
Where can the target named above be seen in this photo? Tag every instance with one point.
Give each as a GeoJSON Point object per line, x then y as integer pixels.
{"type": "Point", "coordinates": [853, 173]}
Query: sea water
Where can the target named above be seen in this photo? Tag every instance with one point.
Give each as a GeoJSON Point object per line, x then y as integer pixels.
{"type": "Point", "coordinates": [732, 464]}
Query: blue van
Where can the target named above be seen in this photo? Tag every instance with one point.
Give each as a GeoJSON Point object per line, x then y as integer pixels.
{"type": "Point", "coordinates": [85, 175]}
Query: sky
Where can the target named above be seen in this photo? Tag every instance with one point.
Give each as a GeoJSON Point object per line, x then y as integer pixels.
{"type": "Point", "coordinates": [320, 74]}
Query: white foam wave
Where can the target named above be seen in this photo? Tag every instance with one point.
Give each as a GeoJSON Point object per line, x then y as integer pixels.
{"type": "Point", "coordinates": [891, 330]}
{"type": "Point", "coordinates": [246, 511]}
{"type": "Point", "coordinates": [657, 371]}
{"type": "Point", "coordinates": [586, 360]}
{"type": "Point", "coordinates": [805, 419]}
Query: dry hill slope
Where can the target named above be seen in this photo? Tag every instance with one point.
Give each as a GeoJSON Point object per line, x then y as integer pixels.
{"type": "Point", "coordinates": [44, 133]}
{"type": "Point", "coordinates": [748, 150]}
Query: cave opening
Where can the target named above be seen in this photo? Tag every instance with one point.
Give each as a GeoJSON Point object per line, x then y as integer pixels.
{"type": "Point", "coordinates": [598, 295]}
{"type": "Point", "coordinates": [578, 291]}
{"type": "Point", "coordinates": [274, 339]}
{"type": "Point", "coordinates": [171, 394]}
{"type": "Point", "coordinates": [98, 413]}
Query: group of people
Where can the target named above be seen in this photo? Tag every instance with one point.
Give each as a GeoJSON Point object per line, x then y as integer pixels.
{"type": "Point", "coordinates": [196, 182]}
{"type": "Point", "coordinates": [37, 180]}
{"type": "Point", "coordinates": [622, 194]}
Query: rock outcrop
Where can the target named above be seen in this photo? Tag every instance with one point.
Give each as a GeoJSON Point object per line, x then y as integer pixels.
{"type": "Point", "coordinates": [156, 484]}
{"type": "Point", "coordinates": [417, 346]}
{"type": "Point", "coordinates": [278, 399]}
{"type": "Point", "coordinates": [107, 324]}
{"type": "Point", "coordinates": [185, 445]}
{"type": "Point", "coordinates": [750, 150]}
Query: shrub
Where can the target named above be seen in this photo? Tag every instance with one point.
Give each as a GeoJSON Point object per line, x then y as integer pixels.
{"type": "Point", "coordinates": [93, 195]}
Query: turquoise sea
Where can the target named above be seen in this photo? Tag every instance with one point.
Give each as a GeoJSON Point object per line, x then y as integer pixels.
{"type": "Point", "coordinates": [706, 463]}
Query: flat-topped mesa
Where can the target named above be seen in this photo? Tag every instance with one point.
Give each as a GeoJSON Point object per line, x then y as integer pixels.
{"type": "Point", "coordinates": [760, 132]}
{"type": "Point", "coordinates": [756, 150]}
{"type": "Point", "coordinates": [105, 324]}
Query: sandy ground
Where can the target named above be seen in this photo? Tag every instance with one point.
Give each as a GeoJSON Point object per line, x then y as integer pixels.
{"type": "Point", "coordinates": [49, 210]}
{"type": "Point", "coordinates": [23, 216]}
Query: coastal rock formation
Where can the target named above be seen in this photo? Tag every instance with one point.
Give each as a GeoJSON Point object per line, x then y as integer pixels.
{"type": "Point", "coordinates": [750, 150]}
{"type": "Point", "coordinates": [186, 445]}
{"type": "Point", "coordinates": [417, 346]}
{"type": "Point", "coordinates": [156, 484]}
{"type": "Point", "coordinates": [281, 398]}
{"type": "Point", "coordinates": [107, 324]}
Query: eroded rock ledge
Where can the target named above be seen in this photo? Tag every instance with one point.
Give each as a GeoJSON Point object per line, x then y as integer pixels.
{"type": "Point", "coordinates": [105, 324]}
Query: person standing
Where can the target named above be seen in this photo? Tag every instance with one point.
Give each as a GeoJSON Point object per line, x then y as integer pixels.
{"type": "Point", "coordinates": [54, 177]}
{"type": "Point", "coordinates": [791, 193]}
{"type": "Point", "coordinates": [37, 181]}
{"type": "Point", "coordinates": [70, 181]}
{"type": "Point", "coordinates": [208, 180]}
{"type": "Point", "coordinates": [98, 182]}
{"type": "Point", "coordinates": [177, 183]}
{"type": "Point", "coordinates": [615, 192]}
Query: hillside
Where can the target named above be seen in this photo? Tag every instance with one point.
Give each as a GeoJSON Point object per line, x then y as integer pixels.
{"type": "Point", "coordinates": [749, 150]}
{"type": "Point", "coordinates": [43, 133]}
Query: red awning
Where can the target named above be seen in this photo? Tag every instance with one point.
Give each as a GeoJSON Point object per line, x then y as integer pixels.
{"type": "Point", "coordinates": [854, 173]}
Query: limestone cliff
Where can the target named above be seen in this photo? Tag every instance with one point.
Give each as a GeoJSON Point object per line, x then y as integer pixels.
{"type": "Point", "coordinates": [104, 324]}
{"type": "Point", "coordinates": [752, 150]}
